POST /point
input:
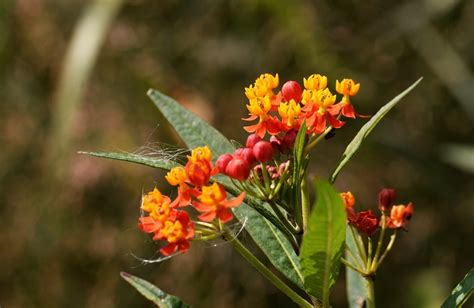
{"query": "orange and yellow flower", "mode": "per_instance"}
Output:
(200, 153)
(177, 233)
(289, 113)
(213, 203)
(347, 87)
(158, 206)
(399, 216)
(177, 176)
(199, 167)
(319, 111)
(262, 100)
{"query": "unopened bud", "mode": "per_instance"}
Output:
(238, 168)
(222, 162)
(252, 140)
(246, 154)
(291, 90)
(263, 151)
(386, 199)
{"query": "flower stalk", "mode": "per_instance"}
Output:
(266, 272)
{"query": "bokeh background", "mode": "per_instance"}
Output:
(74, 75)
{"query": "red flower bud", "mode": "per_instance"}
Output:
(263, 151)
(291, 90)
(252, 140)
(246, 154)
(238, 168)
(366, 222)
(222, 162)
(386, 199)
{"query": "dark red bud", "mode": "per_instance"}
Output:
(386, 198)
(263, 151)
(238, 168)
(252, 140)
(291, 90)
(276, 143)
(289, 140)
(222, 162)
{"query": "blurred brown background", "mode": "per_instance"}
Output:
(68, 222)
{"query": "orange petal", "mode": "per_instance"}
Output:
(251, 128)
(225, 215)
(250, 118)
(236, 201)
(207, 216)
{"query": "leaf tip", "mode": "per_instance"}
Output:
(125, 275)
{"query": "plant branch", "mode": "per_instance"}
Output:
(295, 297)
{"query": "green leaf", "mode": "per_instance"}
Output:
(152, 293)
(462, 292)
(367, 128)
(298, 152)
(136, 158)
(196, 132)
(355, 283)
(274, 244)
(192, 129)
(323, 243)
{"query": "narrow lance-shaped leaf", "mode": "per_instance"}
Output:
(323, 243)
(298, 153)
(154, 162)
(462, 292)
(367, 128)
(192, 129)
(356, 284)
(196, 132)
(152, 293)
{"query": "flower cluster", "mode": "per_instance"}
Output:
(166, 219)
(364, 260)
(286, 110)
(281, 114)
(392, 216)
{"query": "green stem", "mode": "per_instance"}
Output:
(360, 246)
(313, 143)
(266, 179)
(370, 292)
(369, 253)
(353, 267)
(283, 219)
(295, 297)
(379, 244)
(354, 258)
(305, 205)
(389, 247)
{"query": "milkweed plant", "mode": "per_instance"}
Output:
(264, 184)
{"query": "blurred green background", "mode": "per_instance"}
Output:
(68, 222)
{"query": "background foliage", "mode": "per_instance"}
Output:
(68, 222)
